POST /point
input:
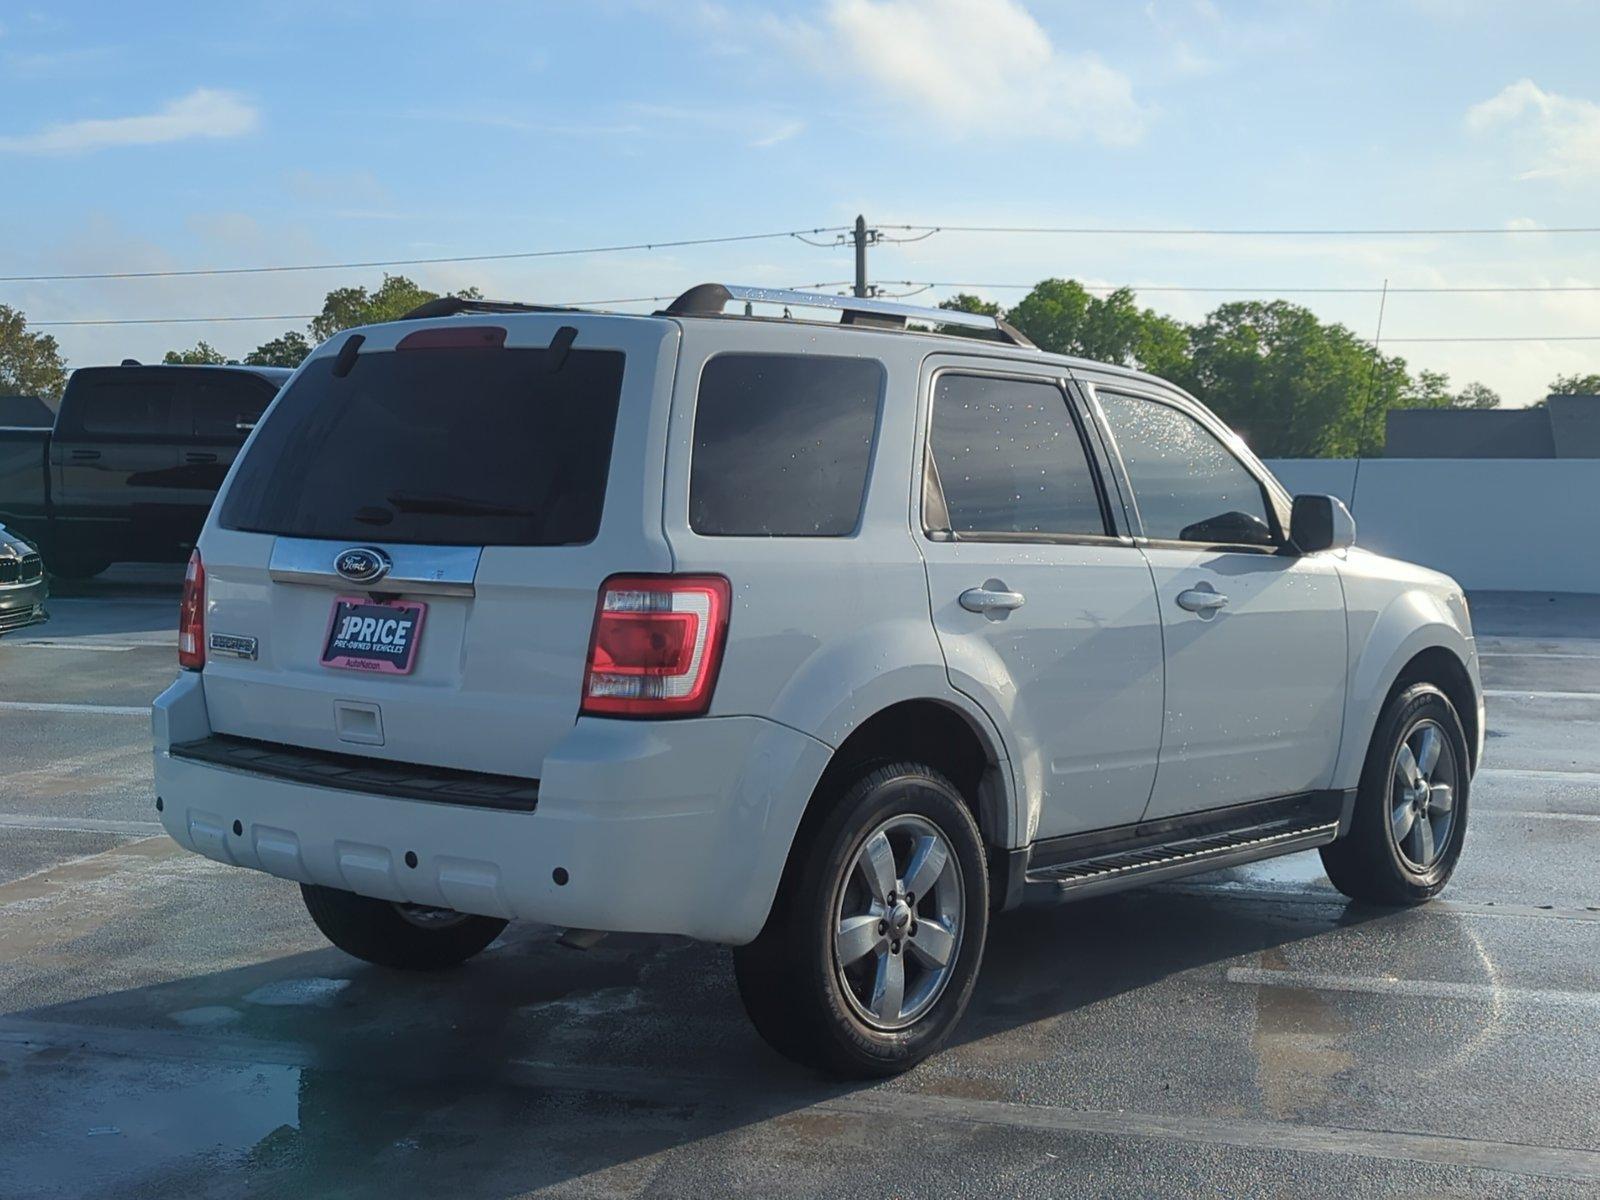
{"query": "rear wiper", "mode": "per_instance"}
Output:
(443, 504)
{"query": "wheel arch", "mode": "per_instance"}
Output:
(1407, 647)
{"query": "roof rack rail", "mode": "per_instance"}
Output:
(448, 306)
(709, 299)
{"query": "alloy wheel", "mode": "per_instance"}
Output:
(898, 922)
(1422, 797)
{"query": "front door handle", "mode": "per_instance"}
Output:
(199, 456)
(84, 455)
(1204, 602)
(992, 597)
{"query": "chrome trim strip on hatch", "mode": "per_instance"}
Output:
(414, 570)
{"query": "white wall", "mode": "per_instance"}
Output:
(1519, 524)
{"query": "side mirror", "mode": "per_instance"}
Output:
(1321, 523)
(1238, 528)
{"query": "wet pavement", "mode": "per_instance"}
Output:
(172, 1027)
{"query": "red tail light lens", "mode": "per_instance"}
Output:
(192, 616)
(656, 646)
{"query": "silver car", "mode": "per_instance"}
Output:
(827, 640)
(23, 587)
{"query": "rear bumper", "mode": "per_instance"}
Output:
(677, 827)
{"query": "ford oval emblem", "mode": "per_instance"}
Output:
(362, 564)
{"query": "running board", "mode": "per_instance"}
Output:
(1133, 868)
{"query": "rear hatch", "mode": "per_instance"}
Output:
(497, 469)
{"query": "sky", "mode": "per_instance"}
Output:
(169, 136)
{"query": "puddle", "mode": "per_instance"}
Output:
(82, 1124)
(208, 1016)
(295, 992)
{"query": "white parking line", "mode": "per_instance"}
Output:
(38, 823)
(1535, 775)
(1536, 814)
(1534, 654)
(101, 710)
(101, 647)
(1541, 695)
(1432, 989)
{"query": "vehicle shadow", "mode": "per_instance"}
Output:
(536, 1065)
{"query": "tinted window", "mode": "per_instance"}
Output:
(1188, 485)
(1010, 458)
(443, 446)
(224, 409)
(781, 444)
(142, 408)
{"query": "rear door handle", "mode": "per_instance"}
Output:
(84, 455)
(1197, 600)
(199, 456)
(991, 597)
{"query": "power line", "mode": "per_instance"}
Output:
(311, 316)
(1465, 289)
(1255, 232)
(418, 262)
(169, 320)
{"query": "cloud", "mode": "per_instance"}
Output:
(967, 67)
(782, 133)
(204, 112)
(1559, 134)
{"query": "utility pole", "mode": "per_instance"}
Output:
(863, 237)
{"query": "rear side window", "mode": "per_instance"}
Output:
(782, 444)
(456, 447)
(1010, 458)
(108, 408)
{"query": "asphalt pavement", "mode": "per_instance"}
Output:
(173, 1027)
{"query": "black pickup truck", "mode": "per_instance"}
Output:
(130, 469)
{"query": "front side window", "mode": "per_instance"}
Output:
(1189, 487)
(224, 410)
(782, 443)
(1010, 459)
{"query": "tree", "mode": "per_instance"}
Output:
(1294, 386)
(30, 363)
(1430, 389)
(1575, 385)
(1061, 316)
(967, 302)
(286, 351)
(203, 354)
(345, 308)
(1476, 395)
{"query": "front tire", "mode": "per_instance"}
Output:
(76, 568)
(869, 956)
(1410, 819)
(406, 937)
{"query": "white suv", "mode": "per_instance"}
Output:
(826, 640)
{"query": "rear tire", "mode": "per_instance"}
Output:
(847, 975)
(1410, 818)
(406, 937)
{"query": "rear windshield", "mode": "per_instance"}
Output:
(472, 447)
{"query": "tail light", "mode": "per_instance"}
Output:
(192, 616)
(656, 646)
